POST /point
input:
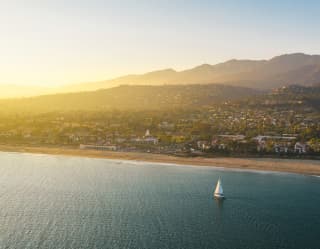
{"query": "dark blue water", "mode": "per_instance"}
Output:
(69, 202)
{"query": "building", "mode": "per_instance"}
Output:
(300, 148)
(98, 147)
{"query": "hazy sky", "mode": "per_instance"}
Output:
(57, 42)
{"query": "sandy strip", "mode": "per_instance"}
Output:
(307, 167)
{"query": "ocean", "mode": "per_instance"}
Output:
(74, 202)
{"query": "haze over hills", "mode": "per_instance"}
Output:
(165, 97)
(288, 69)
(13, 91)
(130, 97)
(298, 69)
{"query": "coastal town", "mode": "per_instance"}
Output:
(228, 129)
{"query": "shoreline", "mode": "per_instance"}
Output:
(305, 167)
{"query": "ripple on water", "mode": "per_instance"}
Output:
(68, 202)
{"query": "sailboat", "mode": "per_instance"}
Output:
(218, 193)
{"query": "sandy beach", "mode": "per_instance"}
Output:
(307, 167)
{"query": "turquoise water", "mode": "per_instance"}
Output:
(70, 202)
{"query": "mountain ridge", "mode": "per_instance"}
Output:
(263, 74)
(287, 69)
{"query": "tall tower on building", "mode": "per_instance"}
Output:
(147, 133)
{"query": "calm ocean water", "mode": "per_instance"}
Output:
(68, 202)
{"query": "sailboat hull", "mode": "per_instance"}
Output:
(218, 196)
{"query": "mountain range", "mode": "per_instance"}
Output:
(289, 69)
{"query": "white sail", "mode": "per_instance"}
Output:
(219, 190)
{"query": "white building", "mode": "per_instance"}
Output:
(300, 148)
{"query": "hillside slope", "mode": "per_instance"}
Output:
(130, 97)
